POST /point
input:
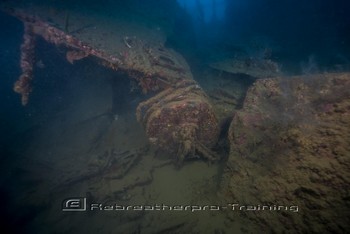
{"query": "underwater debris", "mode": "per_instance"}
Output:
(258, 68)
(178, 118)
(34, 26)
(127, 42)
(180, 121)
(291, 143)
(74, 55)
(23, 84)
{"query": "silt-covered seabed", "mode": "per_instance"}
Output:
(283, 144)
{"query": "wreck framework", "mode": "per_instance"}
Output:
(178, 118)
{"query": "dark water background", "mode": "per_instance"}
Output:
(304, 37)
(295, 30)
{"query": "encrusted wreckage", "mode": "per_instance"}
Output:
(290, 145)
(23, 84)
(253, 67)
(178, 118)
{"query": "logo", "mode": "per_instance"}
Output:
(74, 204)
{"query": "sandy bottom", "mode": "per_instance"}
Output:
(69, 144)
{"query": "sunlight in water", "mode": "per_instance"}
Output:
(204, 10)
